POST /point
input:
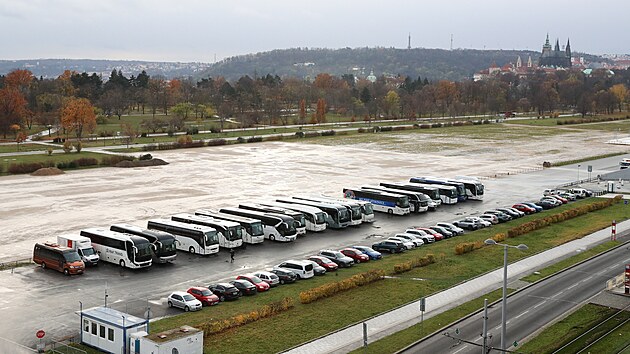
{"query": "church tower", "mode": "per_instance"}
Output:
(519, 63)
(409, 43)
(568, 49)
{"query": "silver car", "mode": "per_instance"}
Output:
(269, 278)
(184, 301)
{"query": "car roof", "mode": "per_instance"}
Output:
(197, 288)
(181, 293)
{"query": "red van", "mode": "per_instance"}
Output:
(61, 259)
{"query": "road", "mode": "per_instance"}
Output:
(40, 208)
(532, 308)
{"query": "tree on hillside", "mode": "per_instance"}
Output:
(13, 108)
(621, 93)
(392, 104)
(78, 115)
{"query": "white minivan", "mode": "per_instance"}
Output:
(303, 269)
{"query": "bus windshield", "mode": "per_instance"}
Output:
(320, 218)
(235, 233)
(286, 229)
(257, 229)
(71, 257)
(479, 188)
(368, 209)
(451, 193)
(143, 251)
(344, 215)
(356, 212)
(301, 221)
(211, 238)
(402, 202)
(169, 245)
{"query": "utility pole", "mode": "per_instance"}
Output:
(484, 334)
(451, 41)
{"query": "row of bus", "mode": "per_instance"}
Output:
(418, 195)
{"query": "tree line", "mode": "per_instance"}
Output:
(76, 102)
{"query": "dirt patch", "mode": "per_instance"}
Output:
(141, 163)
(48, 171)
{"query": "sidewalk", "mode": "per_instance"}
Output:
(351, 337)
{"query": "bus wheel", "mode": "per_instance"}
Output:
(66, 271)
(390, 211)
(122, 263)
(272, 238)
(191, 250)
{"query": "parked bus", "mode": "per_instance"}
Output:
(197, 239)
(390, 203)
(62, 259)
(252, 228)
(461, 190)
(474, 187)
(367, 209)
(337, 216)
(126, 250)
(448, 194)
(432, 191)
(164, 244)
(315, 218)
(276, 227)
(418, 202)
(230, 232)
(624, 163)
(356, 216)
(300, 220)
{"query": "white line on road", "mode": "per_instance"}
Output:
(460, 349)
(540, 304)
(556, 294)
(573, 286)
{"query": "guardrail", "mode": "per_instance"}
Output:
(15, 263)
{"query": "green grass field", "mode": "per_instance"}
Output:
(43, 157)
(316, 319)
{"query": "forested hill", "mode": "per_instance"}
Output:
(434, 64)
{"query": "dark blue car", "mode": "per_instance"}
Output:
(370, 252)
(537, 207)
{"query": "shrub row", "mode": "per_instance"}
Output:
(414, 263)
(28, 167)
(111, 160)
(466, 247)
(559, 217)
(589, 120)
(84, 161)
(330, 289)
(268, 310)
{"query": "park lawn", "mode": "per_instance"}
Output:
(621, 126)
(26, 147)
(54, 158)
(313, 320)
(540, 122)
(582, 320)
(566, 263)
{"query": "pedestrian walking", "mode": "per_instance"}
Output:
(231, 255)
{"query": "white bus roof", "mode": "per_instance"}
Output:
(184, 225)
(208, 212)
(224, 223)
(300, 207)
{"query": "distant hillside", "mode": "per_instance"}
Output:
(52, 68)
(459, 64)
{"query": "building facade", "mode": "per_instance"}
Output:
(555, 58)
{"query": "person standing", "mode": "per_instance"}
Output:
(231, 255)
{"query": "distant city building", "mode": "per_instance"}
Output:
(372, 77)
(555, 58)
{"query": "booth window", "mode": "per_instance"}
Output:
(102, 330)
(110, 334)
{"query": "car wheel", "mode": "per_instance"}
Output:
(170, 304)
(43, 265)
(298, 277)
(191, 249)
(272, 237)
(66, 271)
(186, 308)
(122, 263)
(222, 298)
(281, 281)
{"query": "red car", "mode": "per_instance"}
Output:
(355, 254)
(258, 283)
(324, 262)
(524, 208)
(438, 236)
(204, 295)
(563, 200)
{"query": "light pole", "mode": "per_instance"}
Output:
(578, 180)
(521, 247)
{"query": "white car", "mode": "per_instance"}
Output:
(269, 278)
(481, 221)
(550, 192)
(425, 237)
(454, 229)
(411, 237)
(408, 244)
(184, 301)
(489, 217)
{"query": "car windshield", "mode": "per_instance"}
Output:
(88, 251)
(188, 297)
(255, 280)
(206, 292)
(71, 257)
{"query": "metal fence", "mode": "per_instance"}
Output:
(63, 348)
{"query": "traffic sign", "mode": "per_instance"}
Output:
(40, 334)
(515, 344)
(590, 168)
(456, 330)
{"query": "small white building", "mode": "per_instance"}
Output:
(110, 330)
(183, 340)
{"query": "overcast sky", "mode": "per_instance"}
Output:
(197, 30)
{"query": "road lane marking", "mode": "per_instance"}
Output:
(556, 294)
(460, 349)
(540, 304)
(573, 286)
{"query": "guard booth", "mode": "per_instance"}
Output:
(182, 340)
(110, 330)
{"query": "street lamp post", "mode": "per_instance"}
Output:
(578, 180)
(521, 247)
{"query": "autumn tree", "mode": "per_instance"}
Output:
(392, 104)
(320, 113)
(13, 108)
(302, 114)
(129, 132)
(621, 93)
(78, 115)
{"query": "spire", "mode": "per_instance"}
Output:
(547, 41)
(409, 44)
(557, 47)
(568, 48)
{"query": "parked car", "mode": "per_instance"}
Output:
(374, 255)
(568, 196)
(389, 246)
(425, 237)
(537, 207)
(244, 286)
(547, 204)
(563, 200)
(268, 278)
(285, 276)
(317, 269)
(503, 217)
(408, 244)
(524, 208)
(358, 256)
(225, 291)
(493, 219)
(468, 224)
(436, 235)
(442, 230)
(302, 269)
(452, 228)
(324, 262)
(260, 285)
(554, 201)
(337, 257)
(184, 301)
(417, 242)
(550, 192)
(204, 295)
(515, 214)
(581, 192)
(482, 222)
